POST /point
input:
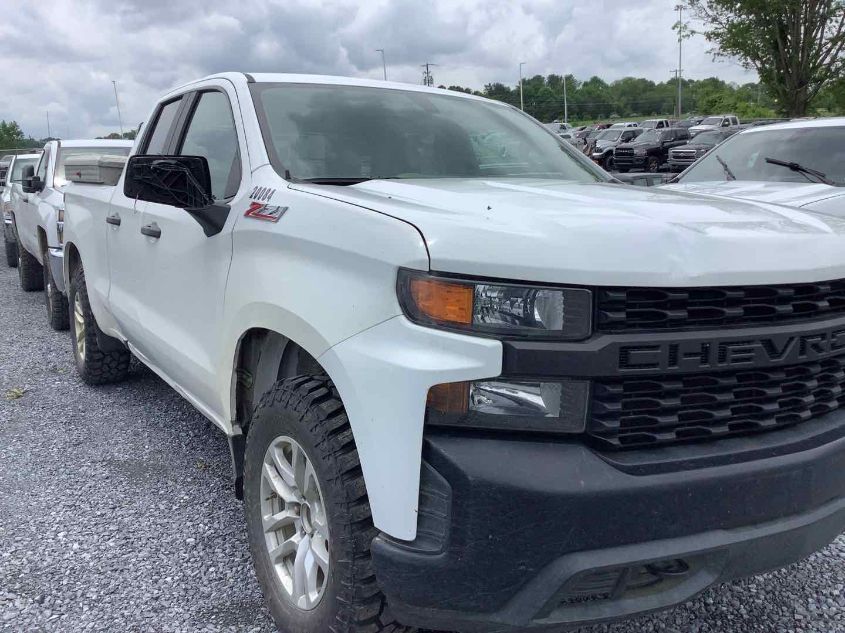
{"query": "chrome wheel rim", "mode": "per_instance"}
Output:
(79, 326)
(296, 530)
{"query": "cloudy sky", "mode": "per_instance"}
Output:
(61, 55)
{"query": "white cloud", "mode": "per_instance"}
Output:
(149, 46)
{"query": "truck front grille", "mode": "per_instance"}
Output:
(661, 410)
(651, 309)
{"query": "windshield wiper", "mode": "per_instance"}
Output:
(804, 171)
(729, 175)
(342, 182)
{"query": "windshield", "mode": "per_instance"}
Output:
(17, 168)
(648, 124)
(712, 120)
(649, 136)
(354, 133)
(822, 149)
(610, 135)
(710, 138)
(59, 178)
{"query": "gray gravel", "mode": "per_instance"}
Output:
(116, 513)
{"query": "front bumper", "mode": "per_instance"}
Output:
(56, 259)
(629, 161)
(522, 533)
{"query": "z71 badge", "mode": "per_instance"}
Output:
(266, 212)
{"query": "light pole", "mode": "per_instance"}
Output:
(383, 62)
(521, 100)
(680, 9)
(565, 102)
(117, 103)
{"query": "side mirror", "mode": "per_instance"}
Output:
(30, 183)
(177, 181)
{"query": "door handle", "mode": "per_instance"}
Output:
(113, 219)
(151, 230)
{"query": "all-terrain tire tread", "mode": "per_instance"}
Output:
(316, 403)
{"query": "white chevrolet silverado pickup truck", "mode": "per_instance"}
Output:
(11, 199)
(38, 219)
(469, 382)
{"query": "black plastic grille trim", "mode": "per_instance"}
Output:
(655, 309)
(661, 410)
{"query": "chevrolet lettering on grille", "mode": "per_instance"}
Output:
(759, 352)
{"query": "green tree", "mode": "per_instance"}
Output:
(10, 135)
(796, 46)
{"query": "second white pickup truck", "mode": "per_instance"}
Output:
(38, 220)
(469, 382)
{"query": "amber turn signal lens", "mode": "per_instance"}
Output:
(451, 397)
(442, 300)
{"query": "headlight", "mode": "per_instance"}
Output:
(496, 308)
(640, 151)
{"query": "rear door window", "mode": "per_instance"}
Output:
(160, 131)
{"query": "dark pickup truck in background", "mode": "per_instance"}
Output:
(683, 156)
(650, 150)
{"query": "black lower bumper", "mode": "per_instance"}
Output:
(516, 533)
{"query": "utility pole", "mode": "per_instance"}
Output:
(117, 103)
(383, 62)
(49, 134)
(521, 100)
(428, 78)
(681, 33)
(565, 102)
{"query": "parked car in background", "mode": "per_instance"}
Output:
(650, 150)
(472, 383)
(690, 122)
(714, 123)
(39, 220)
(10, 199)
(607, 140)
(658, 124)
(683, 156)
(623, 124)
(5, 162)
(798, 164)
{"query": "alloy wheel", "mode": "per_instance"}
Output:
(79, 326)
(296, 530)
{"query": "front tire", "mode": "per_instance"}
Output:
(57, 304)
(653, 165)
(11, 245)
(607, 163)
(95, 366)
(29, 271)
(307, 513)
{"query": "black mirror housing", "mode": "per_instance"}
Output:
(177, 181)
(30, 183)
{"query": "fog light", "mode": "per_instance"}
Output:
(551, 407)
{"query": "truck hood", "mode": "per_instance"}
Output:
(603, 233)
(697, 129)
(793, 194)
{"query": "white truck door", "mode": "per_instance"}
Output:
(126, 244)
(26, 215)
(181, 289)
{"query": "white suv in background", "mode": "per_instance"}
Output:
(12, 196)
(39, 219)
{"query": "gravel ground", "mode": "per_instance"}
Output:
(116, 513)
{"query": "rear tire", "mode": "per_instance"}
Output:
(95, 366)
(305, 415)
(57, 305)
(11, 247)
(29, 271)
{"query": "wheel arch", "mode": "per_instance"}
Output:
(262, 357)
